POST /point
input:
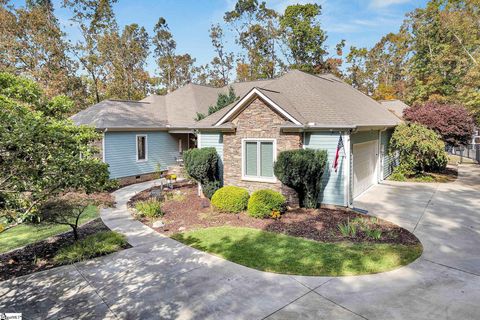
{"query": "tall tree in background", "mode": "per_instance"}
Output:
(305, 39)
(223, 63)
(257, 32)
(95, 20)
(445, 49)
(381, 71)
(357, 73)
(32, 44)
(126, 56)
(174, 70)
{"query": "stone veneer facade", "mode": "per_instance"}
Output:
(257, 120)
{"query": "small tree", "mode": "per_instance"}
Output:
(68, 209)
(202, 166)
(453, 122)
(223, 100)
(42, 154)
(302, 170)
(420, 149)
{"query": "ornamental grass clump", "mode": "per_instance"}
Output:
(230, 199)
(151, 208)
(266, 203)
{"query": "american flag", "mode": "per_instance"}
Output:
(337, 154)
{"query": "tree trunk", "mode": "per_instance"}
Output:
(75, 232)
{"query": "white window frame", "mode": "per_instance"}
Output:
(146, 147)
(244, 160)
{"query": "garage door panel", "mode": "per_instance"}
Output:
(364, 163)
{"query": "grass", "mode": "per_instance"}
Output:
(429, 177)
(24, 234)
(454, 160)
(280, 253)
(95, 245)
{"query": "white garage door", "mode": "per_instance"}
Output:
(364, 163)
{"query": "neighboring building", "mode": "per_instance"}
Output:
(395, 106)
(476, 137)
(296, 110)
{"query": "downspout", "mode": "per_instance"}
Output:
(348, 162)
(103, 145)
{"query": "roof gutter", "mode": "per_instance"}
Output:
(351, 128)
(309, 128)
(215, 129)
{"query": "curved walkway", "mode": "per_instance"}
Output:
(161, 278)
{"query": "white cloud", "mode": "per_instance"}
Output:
(386, 3)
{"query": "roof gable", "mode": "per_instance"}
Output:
(245, 101)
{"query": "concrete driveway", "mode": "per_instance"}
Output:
(161, 278)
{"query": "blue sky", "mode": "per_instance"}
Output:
(359, 22)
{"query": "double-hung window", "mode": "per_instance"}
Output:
(258, 157)
(142, 152)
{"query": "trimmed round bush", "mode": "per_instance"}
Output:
(230, 199)
(263, 202)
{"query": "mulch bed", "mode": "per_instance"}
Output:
(39, 256)
(316, 224)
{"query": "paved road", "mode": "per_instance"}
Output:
(161, 278)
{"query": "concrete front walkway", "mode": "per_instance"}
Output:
(161, 278)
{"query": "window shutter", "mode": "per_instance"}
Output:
(266, 159)
(251, 158)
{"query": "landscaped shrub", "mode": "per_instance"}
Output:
(210, 187)
(302, 170)
(263, 202)
(452, 122)
(420, 149)
(151, 208)
(94, 245)
(230, 199)
(202, 166)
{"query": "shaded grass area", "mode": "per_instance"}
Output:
(24, 234)
(450, 174)
(95, 245)
(454, 160)
(273, 252)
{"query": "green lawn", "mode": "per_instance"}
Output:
(24, 234)
(279, 253)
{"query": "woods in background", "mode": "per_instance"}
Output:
(433, 57)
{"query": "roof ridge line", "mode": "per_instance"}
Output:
(131, 101)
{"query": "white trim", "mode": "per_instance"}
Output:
(246, 98)
(180, 147)
(347, 164)
(199, 145)
(258, 178)
(103, 146)
(146, 147)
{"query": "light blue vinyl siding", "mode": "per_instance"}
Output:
(120, 153)
(388, 161)
(215, 140)
(332, 182)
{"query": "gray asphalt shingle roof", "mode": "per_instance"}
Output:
(310, 99)
(395, 106)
